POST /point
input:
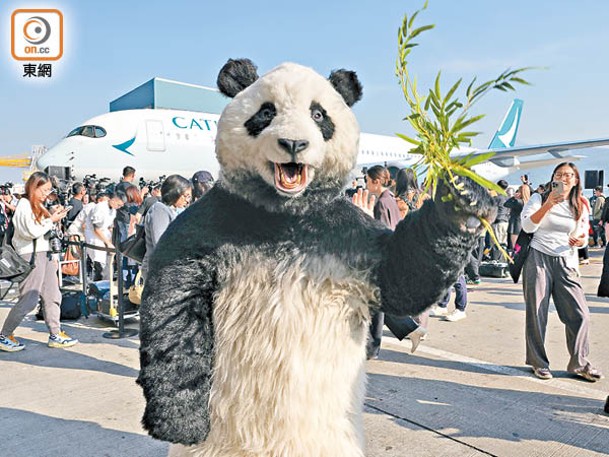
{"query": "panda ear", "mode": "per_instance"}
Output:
(346, 83)
(236, 75)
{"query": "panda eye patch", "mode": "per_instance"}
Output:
(324, 122)
(261, 120)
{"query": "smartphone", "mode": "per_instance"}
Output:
(558, 187)
(69, 207)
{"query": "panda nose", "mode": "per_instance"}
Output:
(293, 147)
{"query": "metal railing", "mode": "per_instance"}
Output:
(112, 254)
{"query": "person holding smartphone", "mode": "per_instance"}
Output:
(558, 219)
(33, 223)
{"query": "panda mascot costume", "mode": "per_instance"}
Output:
(257, 303)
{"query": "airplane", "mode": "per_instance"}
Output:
(159, 142)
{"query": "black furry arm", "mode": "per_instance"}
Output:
(429, 249)
(176, 353)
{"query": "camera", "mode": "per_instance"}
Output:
(55, 238)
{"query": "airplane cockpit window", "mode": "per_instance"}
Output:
(75, 132)
(99, 132)
(91, 131)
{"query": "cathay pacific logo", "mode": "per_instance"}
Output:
(124, 146)
(507, 137)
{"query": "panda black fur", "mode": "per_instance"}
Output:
(257, 302)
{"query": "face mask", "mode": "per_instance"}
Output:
(180, 210)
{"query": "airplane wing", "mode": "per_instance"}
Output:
(530, 164)
(508, 157)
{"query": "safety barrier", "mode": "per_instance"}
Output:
(112, 253)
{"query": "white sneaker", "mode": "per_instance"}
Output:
(10, 344)
(437, 311)
(61, 340)
(456, 315)
(416, 336)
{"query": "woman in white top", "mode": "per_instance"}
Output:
(32, 224)
(98, 232)
(559, 221)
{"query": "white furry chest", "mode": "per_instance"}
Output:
(289, 353)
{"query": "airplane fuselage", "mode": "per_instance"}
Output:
(160, 142)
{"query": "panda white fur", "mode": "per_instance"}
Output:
(257, 304)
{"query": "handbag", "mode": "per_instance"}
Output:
(134, 247)
(13, 267)
(136, 289)
(521, 251)
(71, 261)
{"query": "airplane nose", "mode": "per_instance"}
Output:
(43, 161)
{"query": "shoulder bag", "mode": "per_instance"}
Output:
(71, 260)
(134, 247)
(136, 289)
(13, 267)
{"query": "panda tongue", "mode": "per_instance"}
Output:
(290, 177)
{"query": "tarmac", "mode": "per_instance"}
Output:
(465, 392)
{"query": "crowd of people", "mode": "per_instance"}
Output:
(560, 220)
(101, 216)
(557, 214)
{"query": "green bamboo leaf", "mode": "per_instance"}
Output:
(435, 110)
(427, 102)
(481, 89)
(433, 99)
(454, 105)
(462, 171)
(468, 134)
(469, 88)
(420, 30)
(462, 122)
(437, 86)
(473, 159)
(408, 139)
(470, 121)
(520, 81)
(452, 90)
(411, 21)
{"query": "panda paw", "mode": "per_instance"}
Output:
(466, 203)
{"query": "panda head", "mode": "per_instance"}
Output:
(288, 139)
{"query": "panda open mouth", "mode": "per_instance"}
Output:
(290, 177)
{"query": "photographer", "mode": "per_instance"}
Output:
(78, 192)
(33, 225)
(6, 209)
(151, 199)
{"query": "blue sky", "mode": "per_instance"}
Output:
(113, 46)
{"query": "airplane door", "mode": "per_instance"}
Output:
(156, 135)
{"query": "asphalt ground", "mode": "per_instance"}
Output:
(465, 392)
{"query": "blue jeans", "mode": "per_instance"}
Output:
(460, 295)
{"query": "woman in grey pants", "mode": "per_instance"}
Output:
(32, 223)
(559, 221)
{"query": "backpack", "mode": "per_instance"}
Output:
(72, 303)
